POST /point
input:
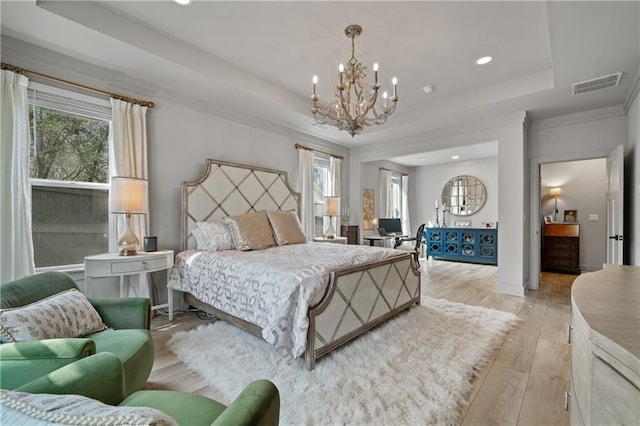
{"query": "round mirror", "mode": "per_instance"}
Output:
(464, 195)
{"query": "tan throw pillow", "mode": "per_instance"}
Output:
(20, 408)
(287, 228)
(66, 314)
(250, 231)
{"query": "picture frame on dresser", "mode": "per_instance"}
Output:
(548, 219)
(570, 215)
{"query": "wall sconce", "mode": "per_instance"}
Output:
(331, 209)
(128, 196)
(555, 194)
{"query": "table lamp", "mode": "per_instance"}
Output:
(555, 194)
(331, 209)
(128, 196)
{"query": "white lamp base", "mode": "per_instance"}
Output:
(128, 242)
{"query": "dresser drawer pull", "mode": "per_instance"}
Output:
(567, 399)
(569, 330)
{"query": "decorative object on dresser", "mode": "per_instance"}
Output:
(561, 248)
(352, 232)
(605, 353)
(474, 245)
(433, 352)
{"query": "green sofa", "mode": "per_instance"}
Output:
(257, 404)
(130, 339)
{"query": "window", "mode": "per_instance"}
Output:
(69, 175)
(395, 196)
(320, 183)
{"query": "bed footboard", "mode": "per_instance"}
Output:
(358, 299)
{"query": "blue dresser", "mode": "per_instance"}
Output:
(476, 245)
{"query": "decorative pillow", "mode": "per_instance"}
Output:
(20, 408)
(66, 314)
(250, 231)
(287, 228)
(212, 236)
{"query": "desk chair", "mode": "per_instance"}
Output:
(415, 248)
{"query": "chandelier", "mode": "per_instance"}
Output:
(353, 102)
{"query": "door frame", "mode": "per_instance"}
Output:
(535, 242)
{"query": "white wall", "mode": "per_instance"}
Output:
(584, 186)
(428, 181)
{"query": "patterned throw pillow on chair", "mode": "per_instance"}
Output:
(66, 314)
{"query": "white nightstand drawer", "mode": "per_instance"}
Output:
(152, 264)
(127, 267)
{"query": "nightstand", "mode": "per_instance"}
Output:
(336, 240)
(114, 265)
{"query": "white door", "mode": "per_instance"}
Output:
(615, 206)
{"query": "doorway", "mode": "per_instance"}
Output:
(578, 198)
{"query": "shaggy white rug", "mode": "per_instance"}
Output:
(415, 369)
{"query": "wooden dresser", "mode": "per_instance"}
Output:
(351, 232)
(605, 353)
(561, 248)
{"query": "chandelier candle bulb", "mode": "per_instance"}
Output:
(375, 72)
(394, 81)
(341, 71)
(315, 81)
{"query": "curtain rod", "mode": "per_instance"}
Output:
(389, 170)
(298, 146)
(18, 70)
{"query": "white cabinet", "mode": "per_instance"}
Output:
(605, 353)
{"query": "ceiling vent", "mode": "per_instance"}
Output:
(611, 80)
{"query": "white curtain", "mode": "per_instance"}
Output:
(385, 193)
(305, 173)
(129, 147)
(16, 243)
(334, 177)
(404, 214)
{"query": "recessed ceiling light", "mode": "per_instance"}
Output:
(455, 157)
(183, 2)
(428, 88)
(484, 60)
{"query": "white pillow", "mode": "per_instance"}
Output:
(212, 236)
(65, 314)
(20, 408)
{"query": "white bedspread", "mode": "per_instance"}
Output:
(272, 288)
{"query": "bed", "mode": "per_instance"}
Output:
(330, 294)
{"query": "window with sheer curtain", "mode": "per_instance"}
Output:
(69, 175)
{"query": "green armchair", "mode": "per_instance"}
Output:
(257, 404)
(129, 339)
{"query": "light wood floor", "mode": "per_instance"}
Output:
(523, 384)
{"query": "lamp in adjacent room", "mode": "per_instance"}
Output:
(128, 196)
(555, 194)
(331, 209)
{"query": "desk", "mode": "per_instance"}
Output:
(114, 265)
(373, 238)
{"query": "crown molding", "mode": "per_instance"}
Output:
(633, 94)
(577, 118)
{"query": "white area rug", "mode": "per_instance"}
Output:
(415, 369)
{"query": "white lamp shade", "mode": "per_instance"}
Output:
(129, 195)
(555, 191)
(332, 206)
